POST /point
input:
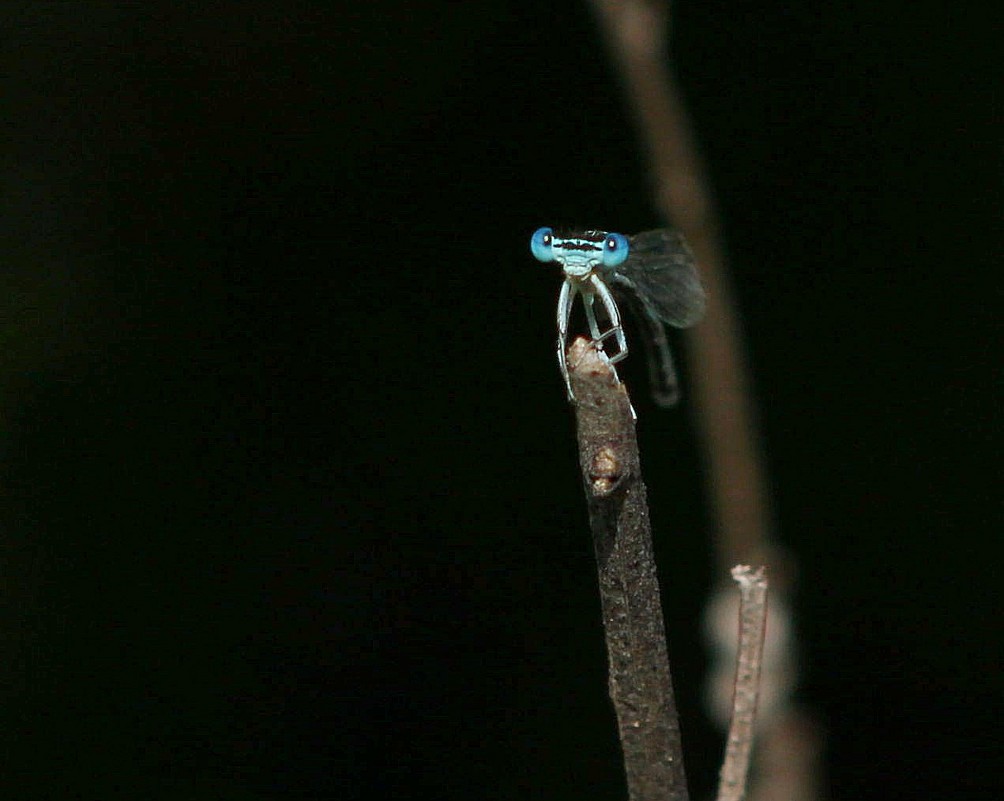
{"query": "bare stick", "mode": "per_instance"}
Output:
(640, 684)
(752, 625)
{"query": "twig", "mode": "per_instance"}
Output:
(636, 34)
(635, 31)
(752, 625)
(640, 683)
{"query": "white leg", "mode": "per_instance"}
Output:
(594, 331)
(565, 299)
(615, 320)
(594, 327)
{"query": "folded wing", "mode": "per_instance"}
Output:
(661, 272)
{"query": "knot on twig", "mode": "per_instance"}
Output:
(606, 471)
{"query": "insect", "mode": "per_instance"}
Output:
(654, 272)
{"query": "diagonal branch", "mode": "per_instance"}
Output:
(636, 34)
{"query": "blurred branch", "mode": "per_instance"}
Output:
(752, 625)
(640, 684)
(636, 32)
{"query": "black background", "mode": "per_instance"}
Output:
(290, 496)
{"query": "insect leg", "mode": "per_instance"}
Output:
(565, 299)
(615, 320)
(594, 327)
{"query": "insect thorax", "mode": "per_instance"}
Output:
(579, 252)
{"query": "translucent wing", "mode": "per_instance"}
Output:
(661, 272)
(661, 370)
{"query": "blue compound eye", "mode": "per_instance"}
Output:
(615, 250)
(541, 244)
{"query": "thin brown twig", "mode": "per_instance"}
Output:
(636, 32)
(752, 626)
(640, 684)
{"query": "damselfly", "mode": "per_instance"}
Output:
(654, 272)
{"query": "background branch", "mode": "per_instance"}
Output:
(636, 33)
(752, 625)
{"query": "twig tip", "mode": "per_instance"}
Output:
(747, 577)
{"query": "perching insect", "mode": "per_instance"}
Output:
(654, 271)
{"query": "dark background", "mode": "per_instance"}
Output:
(290, 498)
